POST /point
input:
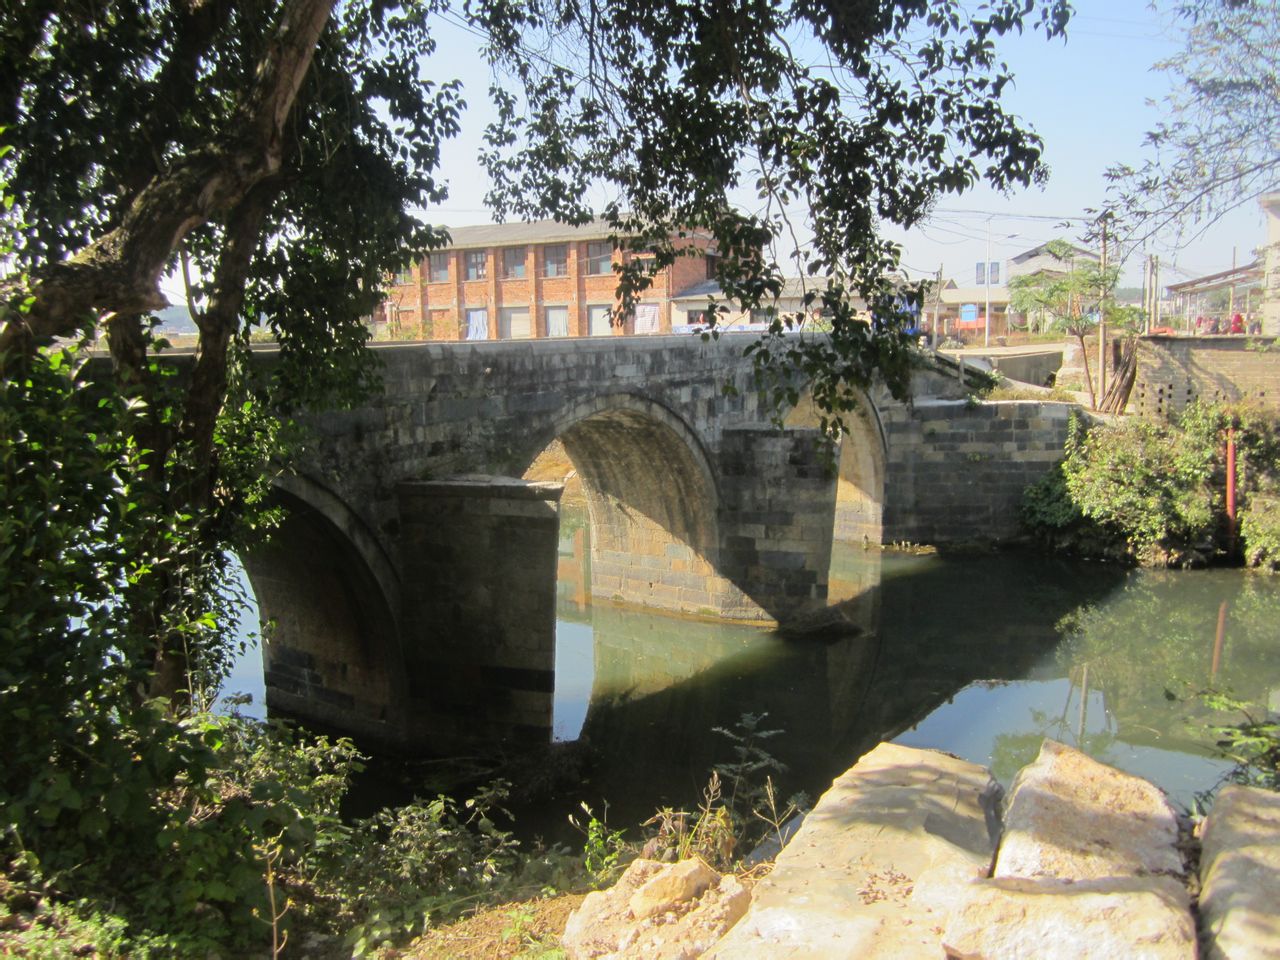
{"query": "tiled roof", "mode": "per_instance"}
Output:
(539, 231)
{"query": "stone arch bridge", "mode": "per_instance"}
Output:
(412, 585)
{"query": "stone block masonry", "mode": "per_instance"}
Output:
(480, 558)
(399, 601)
(956, 470)
(779, 495)
(1174, 371)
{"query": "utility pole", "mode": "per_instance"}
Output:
(986, 275)
(1146, 295)
(937, 307)
(1155, 288)
(1231, 309)
(1102, 316)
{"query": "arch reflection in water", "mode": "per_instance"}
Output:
(981, 656)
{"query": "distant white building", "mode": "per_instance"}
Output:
(1271, 266)
(689, 309)
(1040, 260)
(963, 308)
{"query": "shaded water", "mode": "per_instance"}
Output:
(981, 656)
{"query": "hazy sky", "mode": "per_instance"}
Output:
(1087, 97)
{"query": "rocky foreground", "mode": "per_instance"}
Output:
(914, 853)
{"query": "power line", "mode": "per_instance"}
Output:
(992, 214)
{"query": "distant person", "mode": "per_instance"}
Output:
(1237, 324)
(1213, 326)
(1202, 325)
(1255, 325)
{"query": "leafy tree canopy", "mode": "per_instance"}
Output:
(1219, 145)
(287, 148)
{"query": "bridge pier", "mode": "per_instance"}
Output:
(778, 496)
(479, 559)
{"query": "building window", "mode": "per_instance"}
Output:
(555, 260)
(513, 263)
(698, 318)
(765, 315)
(599, 258)
(477, 264)
(712, 262)
(513, 323)
(477, 324)
(404, 276)
(598, 324)
(439, 268)
(557, 321)
(646, 318)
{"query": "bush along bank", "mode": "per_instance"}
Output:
(1156, 494)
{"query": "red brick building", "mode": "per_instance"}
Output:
(532, 280)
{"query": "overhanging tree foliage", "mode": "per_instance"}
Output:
(280, 154)
(286, 149)
(1219, 146)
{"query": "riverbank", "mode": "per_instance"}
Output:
(913, 854)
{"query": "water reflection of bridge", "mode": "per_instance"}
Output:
(661, 684)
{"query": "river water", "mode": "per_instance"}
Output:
(979, 655)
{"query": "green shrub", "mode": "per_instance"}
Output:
(1150, 484)
(1251, 743)
(1156, 492)
(1260, 532)
(1057, 521)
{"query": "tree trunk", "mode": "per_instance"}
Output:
(1088, 376)
(118, 274)
(121, 270)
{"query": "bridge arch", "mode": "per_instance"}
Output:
(652, 498)
(861, 468)
(331, 654)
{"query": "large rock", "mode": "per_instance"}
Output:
(656, 911)
(670, 888)
(1134, 918)
(1073, 818)
(877, 866)
(1240, 875)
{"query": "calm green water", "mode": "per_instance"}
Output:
(981, 656)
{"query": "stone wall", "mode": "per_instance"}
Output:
(1173, 371)
(480, 563)
(779, 495)
(956, 470)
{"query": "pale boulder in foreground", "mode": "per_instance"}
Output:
(656, 911)
(1240, 875)
(1073, 818)
(877, 865)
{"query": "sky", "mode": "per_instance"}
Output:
(1088, 97)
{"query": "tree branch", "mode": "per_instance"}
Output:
(121, 270)
(218, 323)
